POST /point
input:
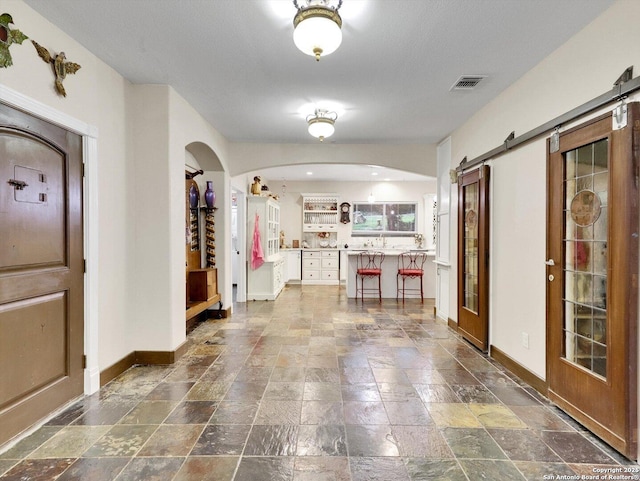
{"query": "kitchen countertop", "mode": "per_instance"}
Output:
(388, 279)
(387, 250)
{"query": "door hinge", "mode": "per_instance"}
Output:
(84, 361)
(619, 116)
(554, 141)
(84, 266)
(83, 169)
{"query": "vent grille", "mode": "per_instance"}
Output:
(467, 82)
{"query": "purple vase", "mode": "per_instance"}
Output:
(210, 195)
(193, 197)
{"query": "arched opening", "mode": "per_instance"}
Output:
(206, 206)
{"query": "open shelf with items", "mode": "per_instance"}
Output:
(210, 235)
(320, 212)
(195, 230)
(320, 240)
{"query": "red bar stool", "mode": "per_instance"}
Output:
(410, 266)
(369, 266)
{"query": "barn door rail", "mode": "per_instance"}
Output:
(622, 88)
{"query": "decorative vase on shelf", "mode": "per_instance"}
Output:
(193, 197)
(210, 195)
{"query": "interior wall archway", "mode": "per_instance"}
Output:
(199, 156)
(205, 156)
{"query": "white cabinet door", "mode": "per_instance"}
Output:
(293, 265)
(344, 265)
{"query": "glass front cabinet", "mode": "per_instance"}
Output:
(265, 282)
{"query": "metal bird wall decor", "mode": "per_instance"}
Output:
(59, 64)
(8, 36)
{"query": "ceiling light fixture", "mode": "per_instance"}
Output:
(371, 199)
(321, 124)
(317, 27)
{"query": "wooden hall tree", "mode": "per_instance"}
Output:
(201, 291)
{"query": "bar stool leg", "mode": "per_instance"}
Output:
(421, 291)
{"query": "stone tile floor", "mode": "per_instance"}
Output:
(314, 387)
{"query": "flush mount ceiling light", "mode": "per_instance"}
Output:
(321, 124)
(317, 27)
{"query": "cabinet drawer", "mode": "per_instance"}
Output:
(311, 264)
(329, 263)
(330, 275)
(330, 254)
(203, 284)
(319, 227)
(310, 275)
(307, 254)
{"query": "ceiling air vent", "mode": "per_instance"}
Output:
(467, 82)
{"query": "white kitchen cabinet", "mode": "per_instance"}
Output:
(344, 263)
(320, 266)
(265, 282)
(320, 213)
(293, 265)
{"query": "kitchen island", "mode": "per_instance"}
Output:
(389, 271)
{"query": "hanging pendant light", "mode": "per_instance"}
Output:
(317, 27)
(371, 199)
(321, 124)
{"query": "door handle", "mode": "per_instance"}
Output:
(550, 262)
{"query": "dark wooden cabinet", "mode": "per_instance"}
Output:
(203, 284)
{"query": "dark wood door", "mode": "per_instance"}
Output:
(592, 267)
(41, 270)
(473, 257)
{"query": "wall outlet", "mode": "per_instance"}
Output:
(525, 340)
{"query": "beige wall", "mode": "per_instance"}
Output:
(585, 67)
(420, 159)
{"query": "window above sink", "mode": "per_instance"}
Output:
(384, 218)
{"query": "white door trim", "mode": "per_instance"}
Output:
(89, 135)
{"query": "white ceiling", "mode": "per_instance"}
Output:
(235, 61)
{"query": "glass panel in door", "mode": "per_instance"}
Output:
(586, 186)
(471, 202)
